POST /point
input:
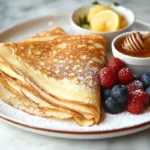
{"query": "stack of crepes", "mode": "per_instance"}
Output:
(53, 74)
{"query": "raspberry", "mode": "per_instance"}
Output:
(108, 77)
(136, 102)
(125, 76)
(142, 96)
(134, 106)
(115, 64)
(135, 85)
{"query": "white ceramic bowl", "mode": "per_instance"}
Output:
(82, 11)
(138, 65)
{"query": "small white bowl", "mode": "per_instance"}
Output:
(82, 11)
(138, 65)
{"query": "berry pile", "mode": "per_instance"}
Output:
(123, 90)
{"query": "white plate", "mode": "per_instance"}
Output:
(113, 125)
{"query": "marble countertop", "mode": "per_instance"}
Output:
(11, 138)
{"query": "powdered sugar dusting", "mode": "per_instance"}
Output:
(135, 85)
(111, 122)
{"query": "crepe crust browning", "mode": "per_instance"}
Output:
(65, 57)
(59, 72)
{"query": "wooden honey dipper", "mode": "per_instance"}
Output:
(134, 43)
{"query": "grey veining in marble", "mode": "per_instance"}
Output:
(11, 138)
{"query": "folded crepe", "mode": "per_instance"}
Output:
(31, 104)
(61, 71)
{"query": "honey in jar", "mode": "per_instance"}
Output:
(145, 53)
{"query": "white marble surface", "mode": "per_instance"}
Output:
(11, 138)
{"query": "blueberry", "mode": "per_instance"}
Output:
(112, 106)
(145, 78)
(106, 93)
(148, 90)
(120, 93)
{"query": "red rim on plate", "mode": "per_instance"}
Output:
(77, 133)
